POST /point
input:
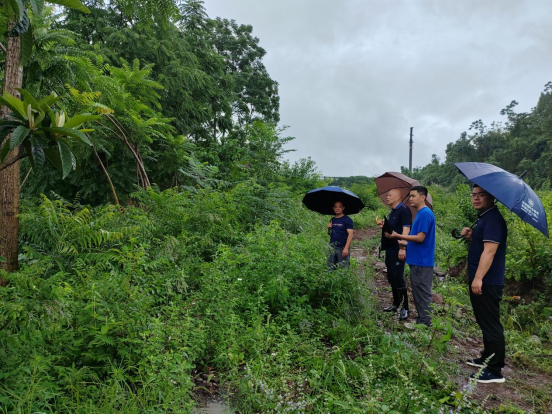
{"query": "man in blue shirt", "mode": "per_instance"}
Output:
(400, 220)
(420, 253)
(340, 229)
(486, 270)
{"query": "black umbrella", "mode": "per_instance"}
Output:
(323, 199)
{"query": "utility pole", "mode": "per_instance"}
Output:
(410, 152)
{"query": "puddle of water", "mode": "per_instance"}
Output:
(214, 407)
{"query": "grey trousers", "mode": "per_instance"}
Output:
(422, 280)
(336, 259)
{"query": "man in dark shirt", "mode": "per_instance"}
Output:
(486, 269)
(400, 220)
(340, 229)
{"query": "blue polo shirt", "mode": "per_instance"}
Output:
(400, 217)
(339, 230)
(491, 227)
(422, 254)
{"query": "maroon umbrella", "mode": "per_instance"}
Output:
(397, 181)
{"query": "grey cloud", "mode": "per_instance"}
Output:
(355, 75)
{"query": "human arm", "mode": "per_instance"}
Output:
(330, 225)
(402, 249)
(485, 262)
(348, 244)
(418, 238)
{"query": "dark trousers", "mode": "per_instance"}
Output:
(336, 259)
(486, 308)
(395, 277)
(395, 270)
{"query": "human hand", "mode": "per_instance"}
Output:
(330, 225)
(476, 286)
(379, 222)
(403, 243)
(466, 233)
(345, 252)
(393, 235)
(402, 255)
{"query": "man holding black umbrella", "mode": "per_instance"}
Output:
(486, 269)
(340, 229)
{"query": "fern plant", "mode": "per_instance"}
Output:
(60, 232)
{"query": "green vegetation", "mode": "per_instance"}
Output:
(171, 254)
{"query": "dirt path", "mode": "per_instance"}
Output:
(528, 390)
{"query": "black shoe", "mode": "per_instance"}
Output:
(403, 314)
(487, 377)
(391, 308)
(476, 362)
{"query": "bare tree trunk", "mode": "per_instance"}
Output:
(108, 179)
(141, 174)
(9, 177)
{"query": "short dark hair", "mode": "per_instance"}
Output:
(420, 189)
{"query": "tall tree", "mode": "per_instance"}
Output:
(17, 50)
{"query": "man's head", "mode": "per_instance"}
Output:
(338, 208)
(481, 200)
(393, 198)
(418, 196)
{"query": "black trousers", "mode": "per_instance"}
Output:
(486, 308)
(395, 270)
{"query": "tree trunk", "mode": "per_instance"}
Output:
(9, 177)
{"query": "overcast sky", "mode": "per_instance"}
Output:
(355, 75)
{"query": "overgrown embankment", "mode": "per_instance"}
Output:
(142, 309)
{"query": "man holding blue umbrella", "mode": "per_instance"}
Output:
(486, 270)
(487, 253)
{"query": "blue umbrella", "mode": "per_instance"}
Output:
(322, 200)
(510, 190)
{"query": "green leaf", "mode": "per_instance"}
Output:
(52, 154)
(18, 9)
(16, 105)
(22, 26)
(28, 98)
(26, 47)
(18, 136)
(78, 120)
(37, 6)
(37, 152)
(4, 152)
(2, 259)
(69, 132)
(4, 132)
(73, 4)
(67, 158)
(48, 101)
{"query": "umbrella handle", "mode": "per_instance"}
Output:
(454, 233)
